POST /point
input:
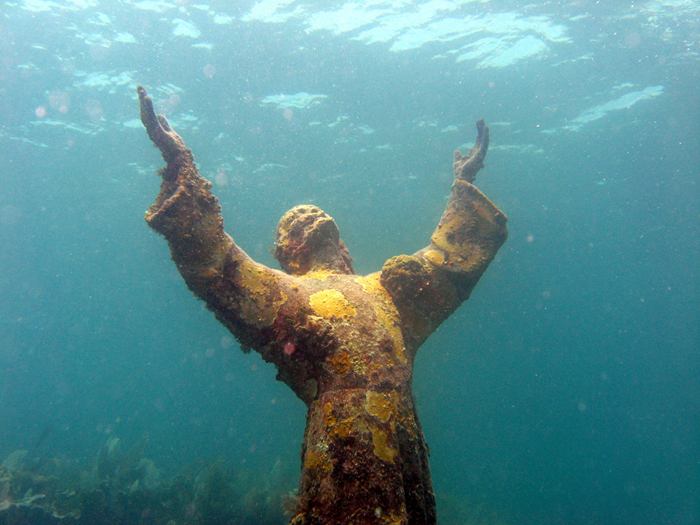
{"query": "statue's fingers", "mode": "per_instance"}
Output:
(482, 138)
(148, 114)
(480, 125)
(149, 118)
(157, 126)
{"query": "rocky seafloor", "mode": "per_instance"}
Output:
(123, 487)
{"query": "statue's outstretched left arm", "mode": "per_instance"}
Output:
(430, 284)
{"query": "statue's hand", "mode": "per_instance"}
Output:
(466, 167)
(159, 131)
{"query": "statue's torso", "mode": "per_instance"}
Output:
(362, 441)
(353, 327)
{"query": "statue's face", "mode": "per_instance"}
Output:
(308, 239)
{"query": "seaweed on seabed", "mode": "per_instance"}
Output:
(264, 501)
(222, 494)
(215, 498)
(31, 493)
(458, 510)
(124, 488)
(130, 469)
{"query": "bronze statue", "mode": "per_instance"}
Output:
(344, 343)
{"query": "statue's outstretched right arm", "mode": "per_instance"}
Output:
(185, 212)
(430, 284)
(243, 294)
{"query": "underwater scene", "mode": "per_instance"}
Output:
(562, 389)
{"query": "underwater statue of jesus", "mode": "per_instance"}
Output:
(344, 343)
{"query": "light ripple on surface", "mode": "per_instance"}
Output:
(185, 28)
(104, 80)
(408, 26)
(157, 6)
(38, 6)
(301, 100)
(269, 11)
(626, 101)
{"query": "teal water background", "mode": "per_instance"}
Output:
(565, 391)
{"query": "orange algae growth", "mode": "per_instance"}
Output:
(434, 256)
(316, 459)
(381, 447)
(340, 362)
(380, 405)
(384, 311)
(257, 307)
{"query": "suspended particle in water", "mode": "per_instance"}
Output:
(170, 103)
(40, 111)
(209, 70)
(94, 110)
(632, 40)
(60, 101)
(221, 178)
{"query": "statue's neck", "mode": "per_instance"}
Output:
(329, 259)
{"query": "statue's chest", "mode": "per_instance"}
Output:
(355, 328)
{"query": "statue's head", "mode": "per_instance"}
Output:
(308, 239)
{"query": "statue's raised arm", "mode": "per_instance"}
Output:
(431, 284)
(245, 296)
(185, 212)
